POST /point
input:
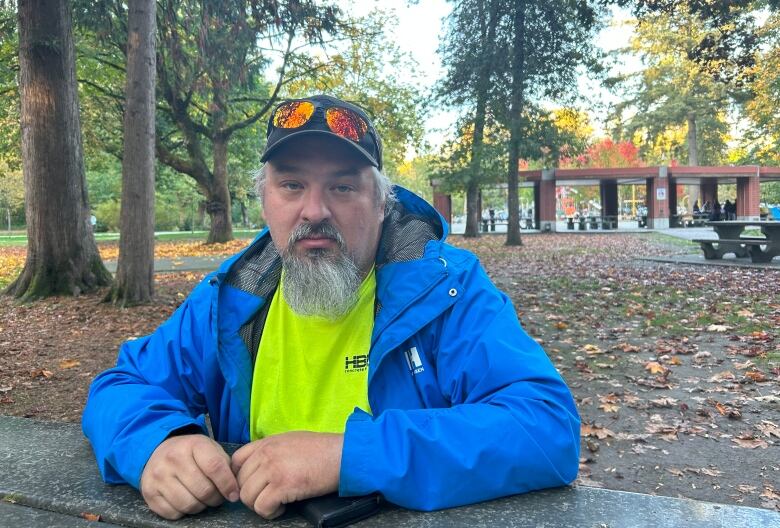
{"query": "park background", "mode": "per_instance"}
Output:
(675, 369)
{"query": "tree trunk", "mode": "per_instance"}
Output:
(62, 257)
(487, 36)
(472, 208)
(134, 282)
(515, 123)
(218, 205)
(693, 159)
(244, 218)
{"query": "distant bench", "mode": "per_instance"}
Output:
(716, 248)
(759, 249)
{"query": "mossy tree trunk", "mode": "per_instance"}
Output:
(62, 257)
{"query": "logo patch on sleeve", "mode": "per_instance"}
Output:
(413, 360)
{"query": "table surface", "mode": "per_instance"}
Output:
(48, 473)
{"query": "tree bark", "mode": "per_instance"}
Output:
(487, 35)
(693, 158)
(516, 106)
(472, 208)
(134, 282)
(62, 257)
(218, 205)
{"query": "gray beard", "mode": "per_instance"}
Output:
(320, 284)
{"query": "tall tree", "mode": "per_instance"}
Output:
(674, 92)
(211, 63)
(134, 281)
(727, 47)
(62, 256)
(548, 44)
(469, 50)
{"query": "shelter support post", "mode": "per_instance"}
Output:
(546, 201)
(442, 202)
(658, 200)
(748, 198)
(609, 201)
(537, 201)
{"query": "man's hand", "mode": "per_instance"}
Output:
(285, 468)
(185, 474)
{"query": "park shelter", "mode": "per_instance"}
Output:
(660, 183)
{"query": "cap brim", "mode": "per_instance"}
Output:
(269, 152)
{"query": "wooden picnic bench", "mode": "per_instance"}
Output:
(730, 240)
(50, 479)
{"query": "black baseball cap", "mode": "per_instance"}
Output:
(323, 114)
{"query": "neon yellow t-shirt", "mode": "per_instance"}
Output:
(310, 373)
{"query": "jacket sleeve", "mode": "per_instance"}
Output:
(512, 426)
(154, 389)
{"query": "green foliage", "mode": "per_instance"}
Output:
(107, 214)
(671, 94)
(761, 144)
(726, 50)
(362, 69)
(453, 164)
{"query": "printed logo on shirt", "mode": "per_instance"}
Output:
(413, 360)
(356, 363)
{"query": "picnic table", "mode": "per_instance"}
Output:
(49, 478)
(731, 240)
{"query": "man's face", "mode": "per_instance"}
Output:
(318, 180)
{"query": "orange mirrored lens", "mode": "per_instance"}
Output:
(293, 114)
(346, 123)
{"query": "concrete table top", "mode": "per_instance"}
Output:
(49, 466)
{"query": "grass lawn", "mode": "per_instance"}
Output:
(19, 238)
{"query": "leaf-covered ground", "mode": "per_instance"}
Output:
(12, 257)
(675, 369)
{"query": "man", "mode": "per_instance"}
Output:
(348, 347)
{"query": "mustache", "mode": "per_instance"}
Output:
(322, 229)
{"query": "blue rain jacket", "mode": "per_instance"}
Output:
(466, 406)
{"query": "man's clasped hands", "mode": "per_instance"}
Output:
(188, 473)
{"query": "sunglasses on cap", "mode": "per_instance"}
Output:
(325, 114)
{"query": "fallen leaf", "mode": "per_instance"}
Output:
(718, 328)
(41, 373)
(654, 367)
(676, 472)
(627, 348)
(663, 402)
(591, 349)
(69, 363)
(90, 516)
(722, 376)
(711, 472)
(750, 443)
(675, 361)
(756, 375)
(609, 407)
(560, 325)
(594, 430)
(768, 428)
